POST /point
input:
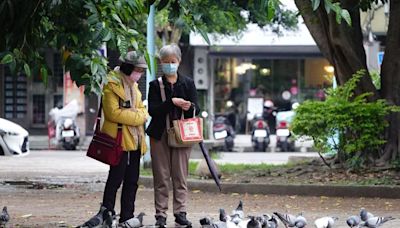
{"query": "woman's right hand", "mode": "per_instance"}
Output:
(181, 103)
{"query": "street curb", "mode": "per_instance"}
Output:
(301, 190)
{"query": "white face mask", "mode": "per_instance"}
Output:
(169, 68)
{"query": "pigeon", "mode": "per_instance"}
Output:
(263, 220)
(253, 223)
(365, 215)
(220, 224)
(353, 221)
(287, 219)
(205, 221)
(325, 222)
(239, 210)
(223, 217)
(376, 221)
(238, 214)
(130, 223)
(137, 221)
(111, 220)
(272, 223)
(4, 217)
(300, 221)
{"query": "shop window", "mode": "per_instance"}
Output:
(15, 95)
(58, 71)
(38, 109)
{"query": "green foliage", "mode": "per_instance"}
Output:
(335, 7)
(396, 164)
(78, 28)
(75, 28)
(225, 17)
(240, 168)
(358, 124)
(376, 79)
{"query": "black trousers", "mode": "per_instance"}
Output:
(126, 171)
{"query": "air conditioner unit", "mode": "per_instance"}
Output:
(200, 72)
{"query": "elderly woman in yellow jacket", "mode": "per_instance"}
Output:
(122, 104)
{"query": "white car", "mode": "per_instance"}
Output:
(13, 139)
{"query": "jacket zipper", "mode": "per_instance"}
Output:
(129, 157)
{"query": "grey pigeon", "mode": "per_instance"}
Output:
(4, 217)
(220, 224)
(262, 220)
(238, 214)
(225, 220)
(353, 221)
(325, 222)
(111, 220)
(376, 221)
(272, 223)
(287, 219)
(133, 222)
(205, 221)
(253, 223)
(222, 215)
(96, 220)
(365, 215)
(300, 221)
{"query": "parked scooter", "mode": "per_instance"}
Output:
(67, 130)
(223, 130)
(284, 140)
(260, 134)
(69, 134)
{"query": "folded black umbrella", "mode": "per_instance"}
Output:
(211, 166)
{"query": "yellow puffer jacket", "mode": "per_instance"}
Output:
(113, 114)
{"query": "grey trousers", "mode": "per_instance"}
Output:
(169, 163)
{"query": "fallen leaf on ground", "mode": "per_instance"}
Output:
(26, 216)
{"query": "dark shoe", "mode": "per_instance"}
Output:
(161, 221)
(180, 219)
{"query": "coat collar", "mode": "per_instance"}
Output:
(179, 80)
(115, 83)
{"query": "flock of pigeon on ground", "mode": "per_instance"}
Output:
(238, 220)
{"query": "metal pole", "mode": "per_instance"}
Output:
(211, 97)
(150, 74)
(335, 139)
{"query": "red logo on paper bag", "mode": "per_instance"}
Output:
(191, 129)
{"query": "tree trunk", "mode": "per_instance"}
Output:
(341, 44)
(390, 80)
(172, 35)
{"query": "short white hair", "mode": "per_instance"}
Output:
(171, 49)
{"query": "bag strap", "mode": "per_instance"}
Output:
(163, 98)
